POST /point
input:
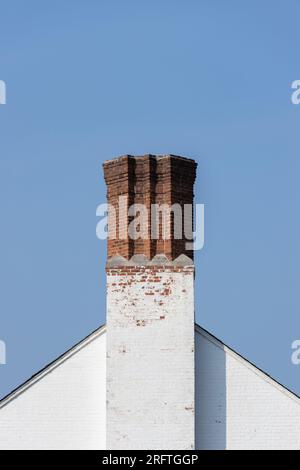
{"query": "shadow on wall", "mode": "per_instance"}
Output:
(210, 400)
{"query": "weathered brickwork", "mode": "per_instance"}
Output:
(150, 310)
(148, 180)
(150, 357)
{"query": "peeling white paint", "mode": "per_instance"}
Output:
(150, 362)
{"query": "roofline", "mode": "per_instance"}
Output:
(247, 363)
(102, 329)
(51, 366)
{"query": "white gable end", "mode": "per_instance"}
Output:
(238, 406)
(62, 408)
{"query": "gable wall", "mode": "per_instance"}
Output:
(64, 410)
(237, 406)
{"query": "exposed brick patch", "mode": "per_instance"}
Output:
(147, 272)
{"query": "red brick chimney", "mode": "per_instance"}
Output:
(149, 180)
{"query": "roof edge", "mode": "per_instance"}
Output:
(247, 363)
(51, 366)
(102, 329)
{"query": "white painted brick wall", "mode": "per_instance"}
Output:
(150, 360)
(239, 407)
(65, 409)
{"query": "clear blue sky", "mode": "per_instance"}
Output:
(89, 80)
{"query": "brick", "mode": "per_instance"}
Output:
(148, 180)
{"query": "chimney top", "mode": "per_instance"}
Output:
(147, 155)
(150, 203)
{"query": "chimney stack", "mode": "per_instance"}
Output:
(150, 303)
(150, 180)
